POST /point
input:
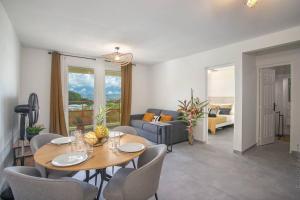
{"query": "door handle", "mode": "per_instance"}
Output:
(274, 106)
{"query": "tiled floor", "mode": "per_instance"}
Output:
(212, 171)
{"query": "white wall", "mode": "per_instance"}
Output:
(291, 57)
(249, 102)
(173, 80)
(9, 89)
(221, 82)
(36, 75)
(141, 84)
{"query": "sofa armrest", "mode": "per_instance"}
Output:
(177, 122)
(136, 117)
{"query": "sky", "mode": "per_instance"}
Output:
(84, 85)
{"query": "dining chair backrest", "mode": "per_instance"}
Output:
(42, 139)
(143, 182)
(26, 184)
(126, 129)
(39, 141)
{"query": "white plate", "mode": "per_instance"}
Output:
(62, 140)
(131, 147)
(112, 133)
(69, 159)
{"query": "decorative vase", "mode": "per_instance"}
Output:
(190, 136)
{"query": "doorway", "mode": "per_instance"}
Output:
(274, 104)
(221, 97)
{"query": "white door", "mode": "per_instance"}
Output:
(266, 106)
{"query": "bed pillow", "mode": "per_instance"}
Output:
(224, 111)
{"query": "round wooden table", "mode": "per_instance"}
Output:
(101, 158)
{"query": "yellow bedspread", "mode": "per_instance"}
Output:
(213, 121)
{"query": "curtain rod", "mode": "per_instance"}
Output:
(88, 58)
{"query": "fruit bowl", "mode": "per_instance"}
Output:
(96, 138)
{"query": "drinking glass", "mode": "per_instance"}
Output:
(81, 146)
(89, 148)
(114, 140)
(117, 139)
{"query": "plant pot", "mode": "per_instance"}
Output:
(30, 136)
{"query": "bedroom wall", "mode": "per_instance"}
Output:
(37, 63)
(9, 90)
(174, 78)
(220, 83)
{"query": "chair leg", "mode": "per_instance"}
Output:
(156, 198)
(87, 175)
(133, 163)
(96, 177)
(103, 176)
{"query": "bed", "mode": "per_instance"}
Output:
(218, 120)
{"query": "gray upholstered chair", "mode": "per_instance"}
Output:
(141, 183)
(39, 141)
(26, 184)
(127, 130)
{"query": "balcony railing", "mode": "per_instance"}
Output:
(81, 115)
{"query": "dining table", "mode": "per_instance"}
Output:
(99, 159)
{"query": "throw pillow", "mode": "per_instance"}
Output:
(166, 118)
(156, 118)
(213, 112)
(148, 117)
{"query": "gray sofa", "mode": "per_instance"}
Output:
(149, 131)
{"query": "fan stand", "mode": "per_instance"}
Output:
(21, 147)
(30, 110)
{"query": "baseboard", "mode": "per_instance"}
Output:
(200, 141)
(242, 152)
(296, 154)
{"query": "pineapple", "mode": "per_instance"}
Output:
(91, 138)
(101, 130)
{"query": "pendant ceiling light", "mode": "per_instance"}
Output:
(119, 58)
(251, 3)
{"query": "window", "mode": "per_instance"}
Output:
(81, 98)
(113, 97)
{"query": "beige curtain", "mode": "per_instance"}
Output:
(57, 118)
(126, 84)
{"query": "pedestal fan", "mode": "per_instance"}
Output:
(30, 110)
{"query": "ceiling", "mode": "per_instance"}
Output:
(154, 31)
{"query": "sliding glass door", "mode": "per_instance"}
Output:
(81, 87)
(113, 97)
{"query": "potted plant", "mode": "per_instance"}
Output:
(79, 123)
(192, 111)
(33, 131)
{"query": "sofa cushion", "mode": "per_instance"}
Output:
(166, 118)
(174, 114)
(137, 123)
(155, 111)
(148, 117)
(150, 127)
